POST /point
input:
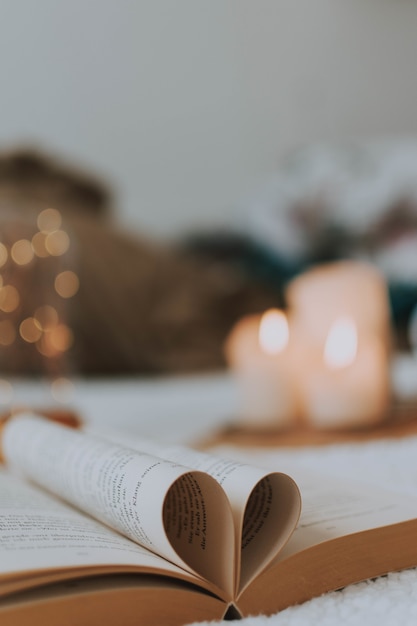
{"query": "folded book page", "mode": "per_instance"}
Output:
(179, 514)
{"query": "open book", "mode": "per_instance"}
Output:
(144, 534)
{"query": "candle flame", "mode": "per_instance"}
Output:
(273, 332)
(341, 344)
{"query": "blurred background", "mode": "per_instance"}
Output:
(186, 107)
(177, 141)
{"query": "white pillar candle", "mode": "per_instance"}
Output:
(320, 296)
(348, 384)
(342, 322)
(258, 351)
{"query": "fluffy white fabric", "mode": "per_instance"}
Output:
(386, 601)
(390, 600)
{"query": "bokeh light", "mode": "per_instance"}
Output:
(30, 330)
(47, 316)
(57, 243)
(67, 284)
(55, 341)
(61, 338)
(39, 246)
(49, 220)
(22, 252)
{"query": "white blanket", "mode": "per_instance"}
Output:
(388, 601)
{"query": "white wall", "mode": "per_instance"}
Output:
(187, 104)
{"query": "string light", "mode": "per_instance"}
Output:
(22, 252)
(30, 330)
(55, 341)
(57, 243)
(43, 327)
(39, 246)
(49, 220)
(47, 316)
(67, 284)
(61, 338)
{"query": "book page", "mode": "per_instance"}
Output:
(40, 532)
(183, 516)
(127, 600)
(265, 505)
(335, 508)
(348, 532)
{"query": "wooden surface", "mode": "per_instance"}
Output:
(401, 421)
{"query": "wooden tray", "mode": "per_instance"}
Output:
(401, 421)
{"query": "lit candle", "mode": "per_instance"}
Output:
(258, 351)
(323, 294)
(348, 386)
